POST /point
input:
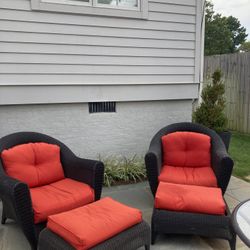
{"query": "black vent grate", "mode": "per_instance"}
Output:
(98, 107)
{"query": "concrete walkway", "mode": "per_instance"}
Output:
(139, 196)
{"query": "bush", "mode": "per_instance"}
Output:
(122, 170)
(211, 111)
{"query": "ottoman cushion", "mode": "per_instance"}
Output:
(189, 198)
(92, 224)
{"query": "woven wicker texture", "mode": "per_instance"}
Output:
(170, 222)
(222, 164)
(130, 239)
(16, 195)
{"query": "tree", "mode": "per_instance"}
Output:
(238, 33)
(245, 47)
(211, 111)
(223, 35)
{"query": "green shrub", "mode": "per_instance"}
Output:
(119, 170)
(211, 111)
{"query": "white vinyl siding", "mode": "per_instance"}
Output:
(41, 48)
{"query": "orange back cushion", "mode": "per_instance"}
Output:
(186, 149)
(36, 164)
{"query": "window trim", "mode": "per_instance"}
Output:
(93, 8)
(101, 5)
(69, 2)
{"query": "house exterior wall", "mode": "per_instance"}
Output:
(92, 55)
(126, 132)
(53, 63)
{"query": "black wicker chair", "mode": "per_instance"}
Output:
(171, 222)
(15, 195)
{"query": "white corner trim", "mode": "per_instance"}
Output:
(198, 39)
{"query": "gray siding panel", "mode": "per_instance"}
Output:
(36, 37)
(59, 59)
(80, 20)
(95, 70)
(93, 50)
(172, 8)
(171, 17)
(93, 31)
(33, 79)
(39, 47)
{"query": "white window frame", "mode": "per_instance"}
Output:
(68, 2)
(92, 8)
(100, 5)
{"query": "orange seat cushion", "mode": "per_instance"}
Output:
(188, 198)
(203, 176)
(35, 164)
(59, 197)
(186, 149)
(92, 224)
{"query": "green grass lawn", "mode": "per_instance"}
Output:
(240, 152)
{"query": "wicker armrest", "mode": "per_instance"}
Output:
(7, 185)
(17, 204)
(87, 171)
(222, 165)
(153, 162)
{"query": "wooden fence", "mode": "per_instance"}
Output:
(236, 75)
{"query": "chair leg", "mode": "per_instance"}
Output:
(30, 234)
(232, 242)
(147, 247)
(153, 236)
(33, 244)
(153, 232)
(4, 218)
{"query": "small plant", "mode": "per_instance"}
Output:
(211, 111)
(120, 170)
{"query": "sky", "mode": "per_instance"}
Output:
(237, 8)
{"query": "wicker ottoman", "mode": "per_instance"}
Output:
(211, 226)
(94, 227)
(202, 211)
(131, 239)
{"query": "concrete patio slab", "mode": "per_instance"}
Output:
(139, 196)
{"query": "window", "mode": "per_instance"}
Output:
(118, 8)
(133, 4)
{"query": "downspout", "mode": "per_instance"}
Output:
(201, 75)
